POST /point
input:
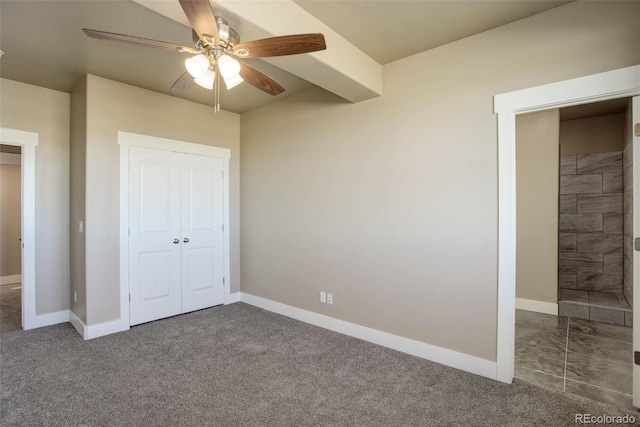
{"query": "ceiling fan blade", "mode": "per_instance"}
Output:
(202, 19)
(260, 80)
(280, 46)
(140, 41)
(185, 81)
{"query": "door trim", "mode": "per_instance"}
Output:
(126, 140)
(635, 278)
(619, 83)
(28, 142)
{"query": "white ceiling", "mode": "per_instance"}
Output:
(391, 30)
(44, 44)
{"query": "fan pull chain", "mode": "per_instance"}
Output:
(216, 90)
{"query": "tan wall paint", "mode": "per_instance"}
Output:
(391, 203)
(45, 112)
(537, 181)
(600, 134)
(78, 199)
(113, 107)
(10, 210)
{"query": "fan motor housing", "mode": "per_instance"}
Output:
(226, 33)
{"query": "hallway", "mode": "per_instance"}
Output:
(10, 308)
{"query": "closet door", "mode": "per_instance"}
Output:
(202, 235)
(154, 235)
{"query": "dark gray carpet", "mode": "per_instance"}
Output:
(239, 365)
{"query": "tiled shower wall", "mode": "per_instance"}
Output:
(627, 202)
(591, 223)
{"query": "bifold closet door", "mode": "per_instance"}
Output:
(154, 235)
(175, 233)
(202, 235)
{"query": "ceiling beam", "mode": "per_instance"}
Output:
(342, 69)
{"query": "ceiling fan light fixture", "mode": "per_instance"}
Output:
(197, 65)
(229, 67)
(232, 82)
(216, 47)
(206, 80)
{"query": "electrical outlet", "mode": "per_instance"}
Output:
(323, 297)
(75, 296)
(329, 298)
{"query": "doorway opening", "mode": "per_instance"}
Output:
(27, 142)
(574, 250)
(620, 83)
(10, 238)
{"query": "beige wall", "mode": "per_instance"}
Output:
(45, 112)
(10, 210)
(113, 107)
(78, 199)
(600, 134)
(391, 203)
(537, 181)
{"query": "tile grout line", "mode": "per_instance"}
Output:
(599, 387)
(600, 337)
(566, 351)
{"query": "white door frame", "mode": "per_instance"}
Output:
(635, 290)
(27, 141)
(126, 139)
(619, 83)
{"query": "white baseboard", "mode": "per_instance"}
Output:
(10, 280)
(106, 328)
(48, 319)
(77, 324)
(537, 306)
(99, 330)
(462, 361)
(231, 298)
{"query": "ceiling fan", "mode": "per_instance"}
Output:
(217, 48)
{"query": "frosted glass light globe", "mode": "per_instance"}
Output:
(197, 65)
(229, 67)
(206, 81)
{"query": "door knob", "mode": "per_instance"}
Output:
(186, 240)
(176, 241)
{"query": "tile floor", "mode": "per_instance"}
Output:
(582, 357)
(10, 308)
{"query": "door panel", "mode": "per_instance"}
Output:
(155, 275)
(202, 216)
(635, 115)
(201, 269)
(154, 223)
(154, 193)
(201, 181)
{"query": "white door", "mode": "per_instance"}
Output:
(175, 233)
(154, 235)
(635, 124)
(202, 236)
